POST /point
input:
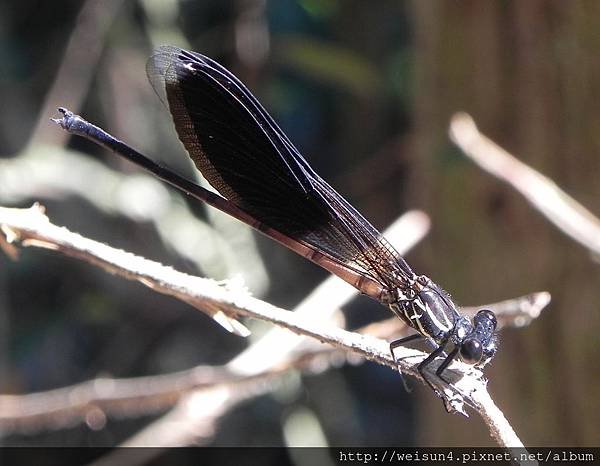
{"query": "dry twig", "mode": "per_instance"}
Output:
(558, 207)
(31, 227)
(93, 401)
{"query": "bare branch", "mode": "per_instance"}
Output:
(93, 400)
(515, 312)
(31, 227)
(558, 207)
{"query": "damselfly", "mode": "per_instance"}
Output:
(265, 182)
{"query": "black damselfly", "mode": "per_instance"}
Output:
(265, 182)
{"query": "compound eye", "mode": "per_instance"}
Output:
(487, 315)
(471, 351)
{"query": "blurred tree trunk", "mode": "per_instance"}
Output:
(528, 72)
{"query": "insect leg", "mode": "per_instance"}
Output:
(446, 363)
(428, 360)
(400, 342)
(395, 344)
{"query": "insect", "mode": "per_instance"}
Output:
(264, 181)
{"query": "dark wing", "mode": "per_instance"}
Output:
(245, 156)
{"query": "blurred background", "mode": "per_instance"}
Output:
(365, 90)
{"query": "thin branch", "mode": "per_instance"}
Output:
(191, 422)
(31, 227)
(558, 207)
(93, 400)
(515, 312)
